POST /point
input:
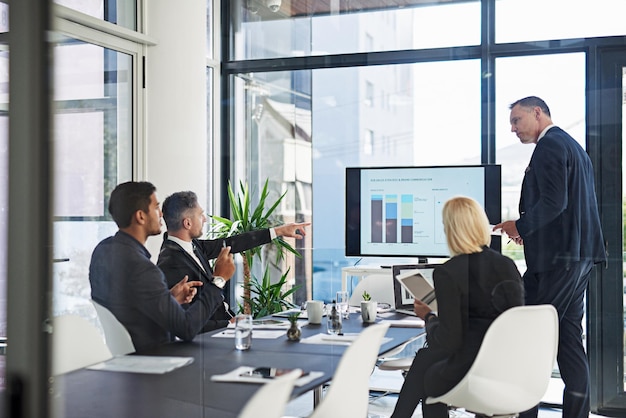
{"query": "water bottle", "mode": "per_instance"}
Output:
(334, 320)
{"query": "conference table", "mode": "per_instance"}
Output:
(189, 391)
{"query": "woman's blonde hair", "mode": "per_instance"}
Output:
(466, 226)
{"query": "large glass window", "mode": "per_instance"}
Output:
(120, 12)
(537, 20)
(282, 29)
(292, 139)
(559, 79)
(93, 153)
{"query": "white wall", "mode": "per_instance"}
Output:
(176, 138)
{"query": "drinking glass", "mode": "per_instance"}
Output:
(243, 331)
(342, 303)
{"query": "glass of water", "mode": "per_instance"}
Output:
(342, 303)
(243, 331)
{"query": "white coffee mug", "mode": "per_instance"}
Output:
(315, 311)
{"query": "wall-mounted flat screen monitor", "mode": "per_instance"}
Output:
(396, 211)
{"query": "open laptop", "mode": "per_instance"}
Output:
(403, 300)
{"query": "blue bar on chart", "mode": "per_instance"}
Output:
(406, 220)
(391, 218)
(377, 218)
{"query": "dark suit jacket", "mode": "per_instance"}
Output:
(125, 280)
(472, 290)
(559, 219)
(175, 263)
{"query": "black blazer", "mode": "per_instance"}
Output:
(559, 219)
(175, 263)
(125, 280)
(472, 290)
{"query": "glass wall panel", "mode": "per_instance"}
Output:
(209, 29)
(321, 28)
(4, 181)
(362, 116)
(559, 79)
(624, 208)
(120, 12)
(272, 127)
(92, 153)
(537, 20)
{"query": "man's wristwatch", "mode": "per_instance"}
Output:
(429, 315)
(219, 281)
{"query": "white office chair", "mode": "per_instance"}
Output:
(76, 343)
(379, 286)
(115, 334)
(271, 399)
(513, 366)
(348, 393)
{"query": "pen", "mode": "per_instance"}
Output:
(224, 244)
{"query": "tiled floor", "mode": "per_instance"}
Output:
(382, 406)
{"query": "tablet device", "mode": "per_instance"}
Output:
(411, 281)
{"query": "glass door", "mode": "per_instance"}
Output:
(607, 293)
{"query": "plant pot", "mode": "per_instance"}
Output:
(294, 332)
(369, 310)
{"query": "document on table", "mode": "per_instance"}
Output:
(267, 334)
(405, 323)
(266, 324)
(142, 364)
(242, 375)
(334, 339)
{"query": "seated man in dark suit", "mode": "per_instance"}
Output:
(184, 254)
(125, 280)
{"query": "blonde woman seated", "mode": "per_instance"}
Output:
(472, 288)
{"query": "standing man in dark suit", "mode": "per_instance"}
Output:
(559, 226)
(184, 254)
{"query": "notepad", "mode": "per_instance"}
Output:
(243, 374)
(142, 364)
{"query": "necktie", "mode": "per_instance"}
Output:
(199, 258)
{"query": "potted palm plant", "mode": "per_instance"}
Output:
(269, 297)
(246, 218)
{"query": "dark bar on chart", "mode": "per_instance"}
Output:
(377, 218)
(406, 218)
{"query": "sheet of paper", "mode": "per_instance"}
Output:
(236, 376)
(303, 314)
(256, 333)
(142, 364)
(266, 324)
(405, 323)
(323, 338)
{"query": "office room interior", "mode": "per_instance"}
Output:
(194, 95)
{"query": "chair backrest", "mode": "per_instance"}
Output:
(76, 343)
(115, 334)
(271, 399)
(379, 286)
(348, 393)
(513, 367)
